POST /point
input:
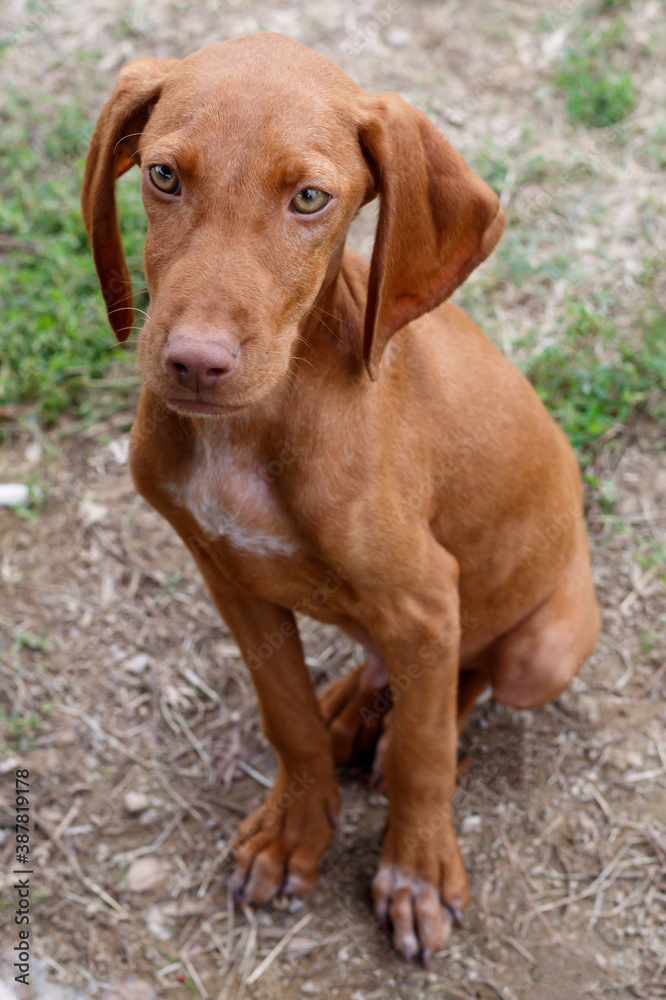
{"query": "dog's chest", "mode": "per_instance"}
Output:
(235, 502)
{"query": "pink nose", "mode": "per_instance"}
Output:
(198, 364)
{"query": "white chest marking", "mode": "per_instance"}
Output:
(229, 500)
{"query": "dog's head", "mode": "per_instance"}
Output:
(255, 156)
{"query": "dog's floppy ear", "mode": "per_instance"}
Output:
(437, 220)
(111, 152)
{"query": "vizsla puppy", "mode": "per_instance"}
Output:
(326, 437)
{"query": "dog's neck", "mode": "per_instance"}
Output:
(331, 334)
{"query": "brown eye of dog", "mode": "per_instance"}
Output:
(309, 200)
(165, 179)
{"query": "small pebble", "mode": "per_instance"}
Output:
(14, 495)
(398, 37)
(136, 802)
(144, 874)
(471, 823)
(137, 663)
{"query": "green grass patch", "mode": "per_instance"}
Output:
(592, 382)
(492, 166)
(17, 731)
(598, 91)
(653, 556)
(54, 336)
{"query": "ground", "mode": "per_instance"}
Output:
(123, 695)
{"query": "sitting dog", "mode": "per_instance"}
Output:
(326, 436)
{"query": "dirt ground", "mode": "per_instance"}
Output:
(124, 696)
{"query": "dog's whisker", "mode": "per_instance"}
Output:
(296, 357)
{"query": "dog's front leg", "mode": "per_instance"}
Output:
(278, 847)
(421, 882)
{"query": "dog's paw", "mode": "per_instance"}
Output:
(278, 848)
(354, 708)
(419, 890)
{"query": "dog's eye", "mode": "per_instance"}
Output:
(309, 200)
(165, 179)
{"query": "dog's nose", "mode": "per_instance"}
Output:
(200, 364)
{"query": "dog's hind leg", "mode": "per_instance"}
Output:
(354, 707)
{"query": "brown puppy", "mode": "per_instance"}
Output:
(325, 437)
